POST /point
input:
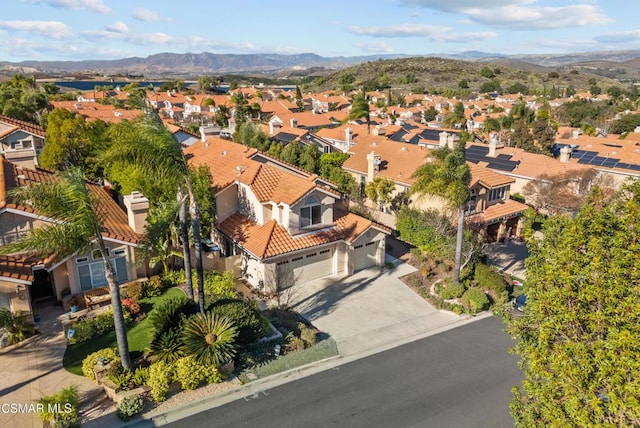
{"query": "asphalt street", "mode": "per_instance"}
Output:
(460, 378)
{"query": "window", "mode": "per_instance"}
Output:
(91, 273)
(499, 193)
(311, 212)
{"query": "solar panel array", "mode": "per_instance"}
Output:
(501, 162)
(588, 157)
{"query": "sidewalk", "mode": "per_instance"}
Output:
(33, 369)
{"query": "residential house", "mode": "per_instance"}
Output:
(273, 217)
(26, 279)
(21, 142)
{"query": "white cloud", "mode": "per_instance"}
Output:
(29, 49)
(94, 5)
(518, 14)
(467, 37)
(148, 15)
(374, 47)
(118, 27)
(621, 37)
(51, 29)
(400, 30)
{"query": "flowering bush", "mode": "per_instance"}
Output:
(132, 305)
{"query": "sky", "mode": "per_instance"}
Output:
(48, 30)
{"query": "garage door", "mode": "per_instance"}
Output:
(364, 256)
(312, 265)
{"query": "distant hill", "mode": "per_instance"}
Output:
(190, 65)
(432, 74)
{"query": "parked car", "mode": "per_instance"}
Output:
(520, 302)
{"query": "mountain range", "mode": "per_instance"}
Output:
(195, 64)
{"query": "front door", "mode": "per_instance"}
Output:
(41, 287)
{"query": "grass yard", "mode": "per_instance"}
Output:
(138, 335)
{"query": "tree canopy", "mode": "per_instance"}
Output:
(579, 340)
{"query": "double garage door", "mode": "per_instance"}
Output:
(312, 265)
(364, 256)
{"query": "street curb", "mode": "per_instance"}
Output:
(254, 388)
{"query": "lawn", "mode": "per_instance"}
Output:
(138, 335)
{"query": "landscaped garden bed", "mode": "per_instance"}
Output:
(177, 348)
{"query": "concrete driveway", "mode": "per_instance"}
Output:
(370, 310)
(509, 257)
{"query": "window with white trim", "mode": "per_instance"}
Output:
(311, 212)
(91, 274)
(498, 193)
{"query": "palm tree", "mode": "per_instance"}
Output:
(158, 156)
(447, 176)
(209, 338)
(78, 226)
(360, 109)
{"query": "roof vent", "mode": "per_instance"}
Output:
(224, 153)
(404, 149)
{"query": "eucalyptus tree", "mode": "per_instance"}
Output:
(446, 175)
(78, 226)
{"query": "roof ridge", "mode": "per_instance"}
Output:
(269, 227)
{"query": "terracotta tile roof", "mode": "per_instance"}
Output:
(16, 268)
(399, 160)
(116, 224)
(504, 209)
(271, 239)
(626, 150)
(94, 111)
(487, 177)
(10, 130)
(29, 127)
(272, 184)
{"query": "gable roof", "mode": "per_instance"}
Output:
(486, 177)
(116, 224)
(271, 239)
(25, 126)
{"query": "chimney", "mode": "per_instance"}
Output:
(452, 139)
(203, 134)
(493, 146)
(443, 138)
(294, 122)
(565, 154)
(373, 165)
(348, 135)
(137, 207)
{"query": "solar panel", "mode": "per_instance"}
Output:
(610, 163)
(623, 165)
(597, 160)
(502, 166)
(634, 167)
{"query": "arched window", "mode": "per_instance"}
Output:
(311, 212)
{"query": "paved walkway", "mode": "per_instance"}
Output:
(33, 369)
(369, 310)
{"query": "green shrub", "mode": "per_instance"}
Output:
(129, 407)
(141, 376)
(173, 278)
(123, 378)
(87, 328)
(475, 299)
(67, 402)
(166, 346)
(488, 279)
(160, 378)
(189, 372)
(244, 315)
(223, 285)
(154, 287)
(134, 290)
(89, 362)
(212, 374)
(452, 290)
(167, 314)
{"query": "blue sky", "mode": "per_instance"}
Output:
(109, 29)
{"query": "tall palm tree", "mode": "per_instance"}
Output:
(447, 176)
(158, 156)
(78, 226)
(360, 109)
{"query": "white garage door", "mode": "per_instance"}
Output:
(364, 256)
(312, 265)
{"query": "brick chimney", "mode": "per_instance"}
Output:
(373, 165)
(137, 208)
